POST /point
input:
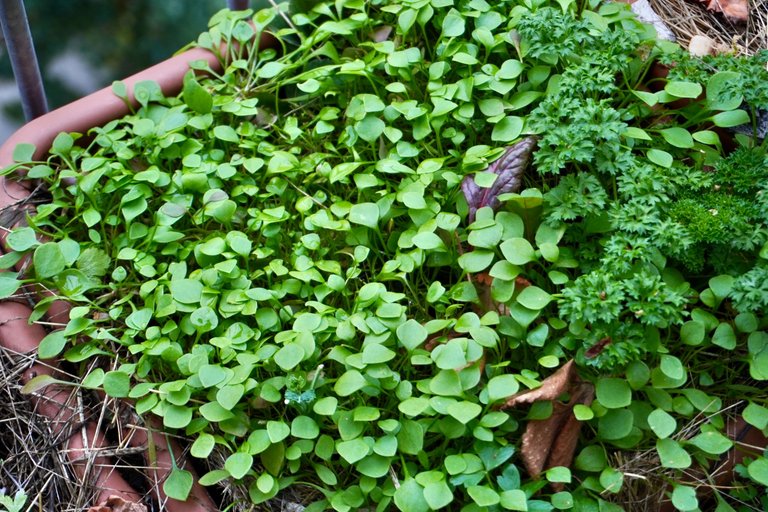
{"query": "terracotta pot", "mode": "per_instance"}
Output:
(81, 442)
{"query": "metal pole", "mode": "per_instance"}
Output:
(237, 5)
(21, 50)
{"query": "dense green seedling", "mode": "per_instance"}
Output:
(286, 267)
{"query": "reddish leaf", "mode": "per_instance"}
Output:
(597, 348)
(509, 169)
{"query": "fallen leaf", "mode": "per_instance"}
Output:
(552, 442)
(509, 170)
(596, 349)
(735, 10)
(118, 504)
(551, 387)
(561, 453)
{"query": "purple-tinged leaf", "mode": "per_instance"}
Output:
(509, 171)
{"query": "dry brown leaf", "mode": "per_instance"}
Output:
(551, 387)
(118, 504)
(552, 442)
(539, 438)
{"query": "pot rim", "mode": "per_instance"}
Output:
(102, 106)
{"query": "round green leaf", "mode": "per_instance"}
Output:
(692, 332)
(730, 118)
(720, 91)
(712, 442)
(518, 251)
(349, 382)
(211, 374)
(684, 498)
(366, 214)
(615, 424)
(277, 431)
(721, 285)
(559, 474)
(304, 427)
(48, 260)
(637, 374)
(21, 239)
(229, 396)
(409, 497)
(662, 423)
(226, 133)
(438, 495)
(483, 496)
(289, 356)
(613, 393)
(374, 466)
(672, 455)
(660, 158)
(196, 96)
(683, 89)
(186, 291)
(238, 464)
(376, 353)
(212, 411)
(476, 261)
(758, 470)
(453, 24)
(353, 450)
(370, 128)
(508, 129)
(178, 484)
(176, 416)
(582, 412)
(707, 137)
(464, 411)
(724, 336)
(756, 415)
(502, 386)
(533, 297)
(428, 241)
(326, 406)
(411, 334)
(612, 480)
(117, 384)
(52, 345)
(678, 137)
(203, 446)
(672, 367)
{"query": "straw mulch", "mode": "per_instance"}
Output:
(30, 459)
(688, 18)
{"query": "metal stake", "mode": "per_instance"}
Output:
(21, 50)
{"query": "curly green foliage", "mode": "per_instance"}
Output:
(576, 196)
(600, 297)
(552, 35)
(750, 290)
(716, 217)
(745, 171)
(725, 229)
(620, 308)
(577, 131)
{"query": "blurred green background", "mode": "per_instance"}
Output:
(83, 45)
